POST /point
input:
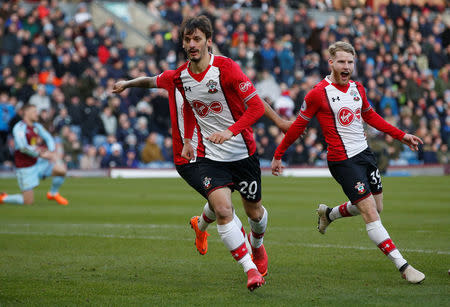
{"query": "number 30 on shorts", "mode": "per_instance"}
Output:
(248, 189)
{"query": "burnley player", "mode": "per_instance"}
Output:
(34, 160)
(340, 105)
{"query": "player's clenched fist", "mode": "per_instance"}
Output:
(119, 87)
(220, 137)
(277, 168)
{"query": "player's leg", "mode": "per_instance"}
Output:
(15, 199)
(58, 173)
(217, 179)
(28, 179)
(359, 178)
(190, 173)
(247, 176)
(379, 235)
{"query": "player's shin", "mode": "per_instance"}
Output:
(16, 199)
(207, 217)
(345, 210)
(258, 230)
(378, 234)
(57, 181)
(233, 239)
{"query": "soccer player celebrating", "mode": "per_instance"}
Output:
(34, 160)
(219, 92)
(340, 104)
(170, 80)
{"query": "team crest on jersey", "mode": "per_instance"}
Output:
(207, 182)
(203, 109)
(244, 86)
(345, 116)
(355, 95)
(212, 86)
(360, 187)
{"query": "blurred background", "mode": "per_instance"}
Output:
(65, 56)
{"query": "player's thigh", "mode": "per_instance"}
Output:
(352, 178)
(27, 177)
(190, 173)
(214, 175)
(247, 178)
(373, 173)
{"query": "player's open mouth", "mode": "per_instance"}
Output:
(193, 52)
(345, 74)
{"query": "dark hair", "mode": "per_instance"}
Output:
(28, 106)
(201, 23)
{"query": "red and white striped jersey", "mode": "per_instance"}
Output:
(166, 81)
(340, 111)
(221, 97)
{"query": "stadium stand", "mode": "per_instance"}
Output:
(66, 66)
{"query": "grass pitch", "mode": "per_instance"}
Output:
(127, 242)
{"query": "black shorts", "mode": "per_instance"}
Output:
(243, 175)
(359, 176)
(190, 173)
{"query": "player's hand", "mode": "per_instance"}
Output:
(284, 125)
(48, 155)
(119, 87)
(188, 151)
(220, 137)
(412, 141)
(277, 167)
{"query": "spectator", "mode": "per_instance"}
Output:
(115, 159)
(89, 160)
(91, 124)
(40, 99)
(151, 151)
(131, 161)
(109, 121)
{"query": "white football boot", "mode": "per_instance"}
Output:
(412, 275)
(323, 220)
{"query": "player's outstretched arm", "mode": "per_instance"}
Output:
(145, 82)
(412, 141)
(273, 116)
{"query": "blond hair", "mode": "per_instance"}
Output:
(341, 46)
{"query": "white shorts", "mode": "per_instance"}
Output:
(29, 177)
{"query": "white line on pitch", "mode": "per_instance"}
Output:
(112, 236)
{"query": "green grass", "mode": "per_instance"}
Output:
(127, 242)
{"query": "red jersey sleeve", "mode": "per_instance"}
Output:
(372, 118)
(165, 80)
(309, 108)
(189, 120)
(235, 80)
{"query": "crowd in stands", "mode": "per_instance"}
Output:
(67, 67)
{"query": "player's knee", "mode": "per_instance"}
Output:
(223, 212)
(28, 201)
(255, 214)
(59, 171)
